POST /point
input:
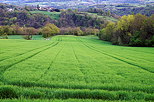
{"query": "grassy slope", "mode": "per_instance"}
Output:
(56, 15)
(52, 15)
(77, 68)
(104, 17)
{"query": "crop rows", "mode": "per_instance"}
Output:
(69, 67)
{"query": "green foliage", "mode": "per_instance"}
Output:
(17, 30)
(80, 19)
(90, 31)
(106, 33)
(49, 30)
(3, 36)
(71, 31)
(27, 37)
(23, 18)
(133, 30)
(77, 31)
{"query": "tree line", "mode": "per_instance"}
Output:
(132, 30)
(46, 31)
(68, 18)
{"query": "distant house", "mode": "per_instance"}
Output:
(10, 9)
(43, 9)
(49, 9)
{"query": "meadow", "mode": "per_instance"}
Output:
(34, 37)
(104, 17)
(75, 69)
(52, 15)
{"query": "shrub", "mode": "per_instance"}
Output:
(71, 31)
(49, 30)
(3, 36)
(27, 37)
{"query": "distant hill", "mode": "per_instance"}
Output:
(114, 1)
(127, 1)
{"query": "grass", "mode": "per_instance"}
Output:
(52, 15)
(34, 37)
(70, 68)
(104, 17)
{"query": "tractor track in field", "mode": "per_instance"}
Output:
(29, 51)
(26, 52)
(94, 49)
(51, 63)
(127, 48)
(126, 57)
(24, 59)
(96, 61)
(80, 68)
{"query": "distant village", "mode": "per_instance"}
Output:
(49, 9)
(11, 8)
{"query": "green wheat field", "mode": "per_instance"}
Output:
(75, 69)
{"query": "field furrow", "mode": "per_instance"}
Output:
(79, 64)
(123, 59)
(76, 68)
(4, 67)
(52, 61)
(26, 52)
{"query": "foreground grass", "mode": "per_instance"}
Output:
(75, 68)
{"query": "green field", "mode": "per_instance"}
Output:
(104, 17)
(52, 15)
(34, 37)
(75, 69)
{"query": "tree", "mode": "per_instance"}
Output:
(133, 30)
(142, 30)
(107, 33)
(6, 29)
(50, 30)
(17, 30)
(123, 29)
(3, 33)
(90, 31)
(78, 32)
(28, 32)
(71, 31)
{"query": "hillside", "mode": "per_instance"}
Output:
(118, 7)
(121, 1)
(52, 15)
(70, 68)
(30, 16)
